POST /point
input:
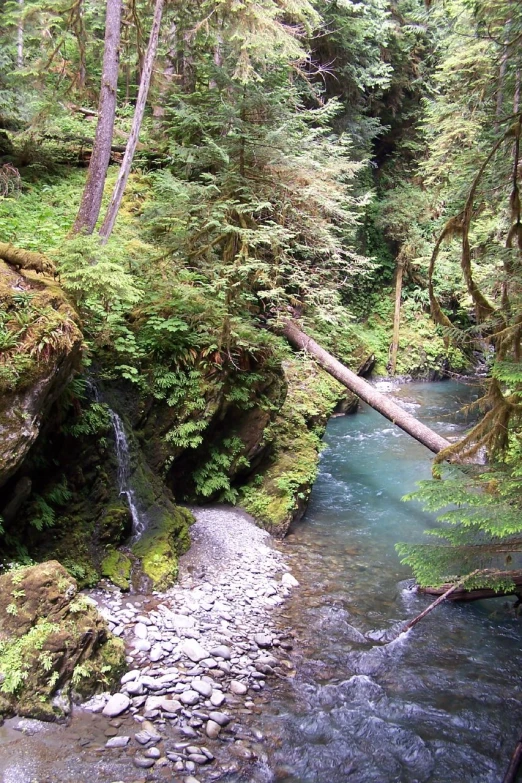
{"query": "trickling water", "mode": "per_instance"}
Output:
(124, 472)
(440, 704)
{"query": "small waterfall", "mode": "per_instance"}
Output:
(124, 485)
(124, 470)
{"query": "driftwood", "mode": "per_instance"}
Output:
(358, 386)
(26, 259)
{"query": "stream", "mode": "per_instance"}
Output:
(439, 705)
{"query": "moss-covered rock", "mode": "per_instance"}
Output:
(164, 540)
(117, 567)
(278, 491)
(49, 637)
(39, 350)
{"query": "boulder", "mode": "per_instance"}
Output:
(51, 640)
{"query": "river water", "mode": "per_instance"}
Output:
(439, 705)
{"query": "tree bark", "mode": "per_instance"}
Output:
(93, 192)
(119, 188)
(396, 316)
(358, 386)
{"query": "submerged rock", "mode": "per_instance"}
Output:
(51, 640)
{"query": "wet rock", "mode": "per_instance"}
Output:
(142, 762)
(152, 753)
(117, 742)
(212, 729)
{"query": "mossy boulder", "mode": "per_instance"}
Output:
(39, 351)
(117, 567)
(278, 492)
(51, 639)
(165, 539)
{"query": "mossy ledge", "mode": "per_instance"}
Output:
(161, 544)
(277, 494)
(53, 643)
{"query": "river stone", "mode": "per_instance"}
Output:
(203, 688)
(117, 742)
(212, 729)
(140, 631)
(289, 581)
(263, 640)
(171, 705)
(142, 645)
(135, 687)
(141, 761)
(222, 652)
(129, 676)
(193, 650)
(117, 704)
(189, 698)
(157, 653)
(221, 718)
(152, 753)
(217, 698)
(238, 688)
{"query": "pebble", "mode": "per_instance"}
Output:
(200, 647)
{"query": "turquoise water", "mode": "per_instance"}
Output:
(439, 705)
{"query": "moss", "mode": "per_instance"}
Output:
(54, 637)
(279, 490)
(116, 566)
(161, 544)
(102, 671)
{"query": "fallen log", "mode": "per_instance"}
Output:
(26, 259)
(479, 593)
(358, 386)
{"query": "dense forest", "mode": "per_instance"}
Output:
(176, 183)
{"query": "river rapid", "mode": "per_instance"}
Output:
(439, 705)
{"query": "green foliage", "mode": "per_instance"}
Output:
(15, 655)
(213, 477)
(481, 531)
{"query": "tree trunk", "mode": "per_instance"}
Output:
(479, 593)
(93, 192)
(20, 37)
(396, 316)
(119, 188)
(366, 392)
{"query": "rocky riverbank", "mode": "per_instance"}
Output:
(200, 657)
